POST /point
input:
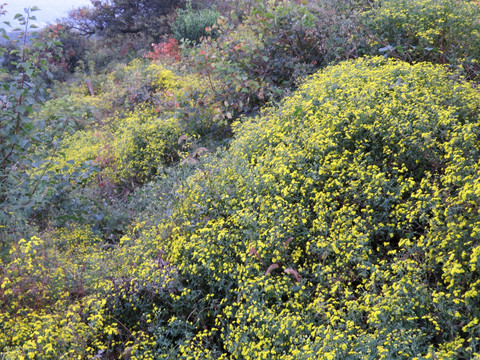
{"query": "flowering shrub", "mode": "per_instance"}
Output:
(44, 308)
(342, 225)
(132, 147)
(434, 30)
(138, 82)
(142, 143)
(65, 295)
(127, 146)
(125, 87)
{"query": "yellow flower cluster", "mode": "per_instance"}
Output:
(59, 296)
(342, 225)
(131, 145)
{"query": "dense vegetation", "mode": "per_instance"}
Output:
(269, 180)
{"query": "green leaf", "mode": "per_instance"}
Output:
(21, 109)
(13, 139)
(35, 8)
(17, 16)
(29, 72)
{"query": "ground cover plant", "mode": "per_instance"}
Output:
(237, 190)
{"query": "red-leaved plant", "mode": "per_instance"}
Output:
(165, 50)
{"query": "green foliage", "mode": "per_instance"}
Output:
(299, 37)
(143, 143)
(22, 88)
(123, 17)
(223, 69)
(271, 50)
(10, 56)
(63, 61)
(342, 225)
(441, 31)
(192, 24)
(129, 146)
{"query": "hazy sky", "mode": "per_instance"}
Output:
(49, 9)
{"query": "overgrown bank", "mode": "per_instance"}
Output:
(338, 222)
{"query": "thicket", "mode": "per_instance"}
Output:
(439, 31)
(265, 186)
(341, 225)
